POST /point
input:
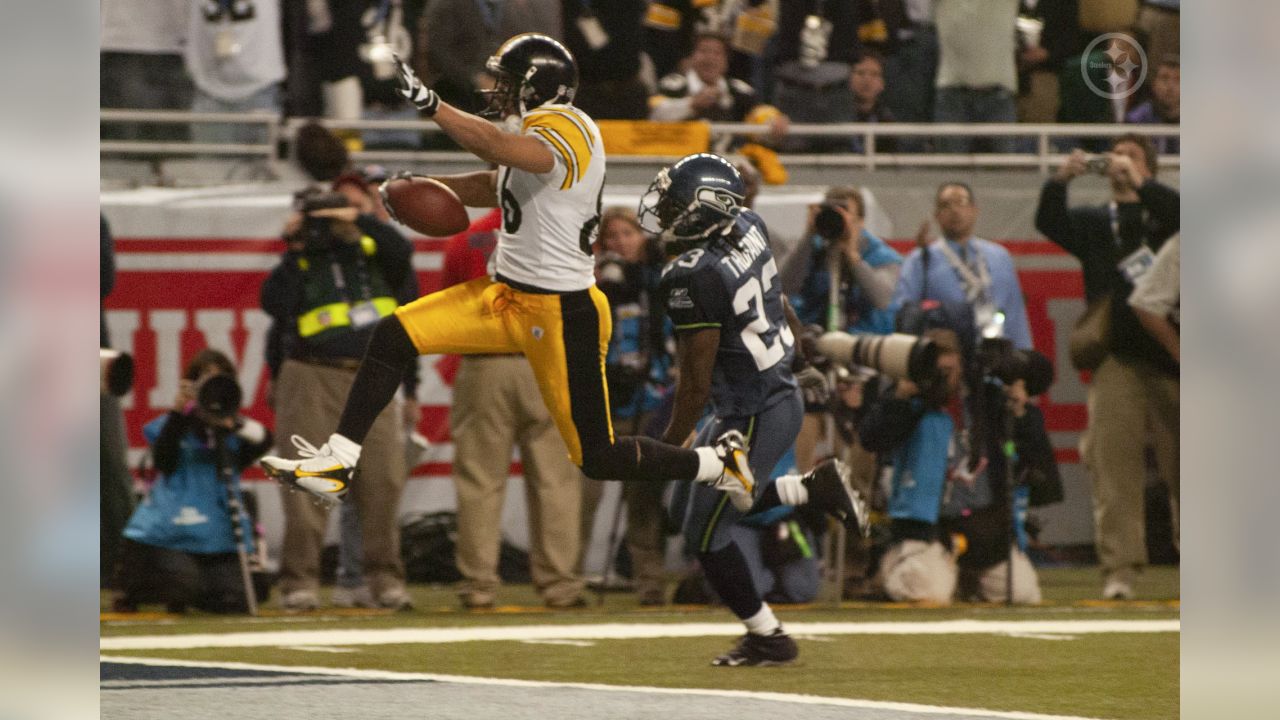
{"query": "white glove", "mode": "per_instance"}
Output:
(422, 97)
(814, 386)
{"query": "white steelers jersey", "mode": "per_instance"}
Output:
(549, 220)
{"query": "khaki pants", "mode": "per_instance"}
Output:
(496, 405)
(1130, 404)
(309, 400)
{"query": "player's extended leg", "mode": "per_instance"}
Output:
(706, 530)
(566, 338)
(463, 319)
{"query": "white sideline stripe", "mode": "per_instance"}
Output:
(502, 682)
(621, 631)
(235, 261)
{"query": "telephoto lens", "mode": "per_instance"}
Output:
(896, 355)
(219, 396)
(828, 223)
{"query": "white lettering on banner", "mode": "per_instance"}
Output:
(217, 325)
(167, 326)
(122, 324)
(1067, 388)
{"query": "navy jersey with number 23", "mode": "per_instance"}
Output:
(732, 283)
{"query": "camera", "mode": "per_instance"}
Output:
(896, 355)
(611, 269)
(998, 358)
(828, 223)
(1097, 164)
(317, 233)
(219, 396)
(116, 372)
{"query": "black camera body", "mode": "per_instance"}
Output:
(317, 233)
(829, 223)
(998, 358)
(219, 396)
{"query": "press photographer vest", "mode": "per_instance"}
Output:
(342, 290)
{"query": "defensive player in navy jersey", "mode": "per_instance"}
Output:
(735, 349)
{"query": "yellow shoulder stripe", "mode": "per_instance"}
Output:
(572, 169)
(571, 133)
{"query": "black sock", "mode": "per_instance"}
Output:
(381, 371)
(639, 458)
(727, 573)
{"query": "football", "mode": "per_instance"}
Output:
(424, 205)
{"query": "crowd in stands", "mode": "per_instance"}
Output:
(765, 61)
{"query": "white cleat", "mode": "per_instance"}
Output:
(319, 472)
(736, 480)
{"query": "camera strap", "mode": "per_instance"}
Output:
(977, 285)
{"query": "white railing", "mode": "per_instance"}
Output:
(277, 129)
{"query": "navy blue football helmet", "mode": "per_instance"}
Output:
(693, 201)
(531, 70)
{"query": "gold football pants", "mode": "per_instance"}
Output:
(565, 337)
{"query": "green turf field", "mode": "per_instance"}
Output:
(1109, 675)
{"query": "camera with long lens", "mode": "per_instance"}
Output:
(829, 223)
(218, 397)
(897, 355)
(317, 233)
(998, 358)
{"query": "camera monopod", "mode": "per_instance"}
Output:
(238, 517)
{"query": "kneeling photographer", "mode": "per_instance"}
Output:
(949, 495)
(186, 544)
(985, 509)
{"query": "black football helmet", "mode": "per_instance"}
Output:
(693, 201)
(531, 70)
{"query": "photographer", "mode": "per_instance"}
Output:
(867, 272)
(1134, 387)
(637, 367)
(340, 274)
(180, 545)
(912, 425)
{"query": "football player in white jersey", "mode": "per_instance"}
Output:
(540, 299)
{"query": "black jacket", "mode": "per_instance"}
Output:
(281, 297)
(1086, 232)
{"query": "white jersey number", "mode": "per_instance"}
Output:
(752, 294)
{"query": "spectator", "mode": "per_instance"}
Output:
(605, 38)
(963, 269)
(867, 275)
(338, 276)
(496, 406)
(235, 56)
(705, 93)
(180, 544)
(1134, 390)
(1159, 25)
(672, 27)
(386, 29)
(977, 78)
(1048, 34)
(915, 429)
(867, 83)
(911, 68)
(461, 34)
(142, 64)
(782, 556)
(810, 79)
(1163, 106)
(628, 268)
